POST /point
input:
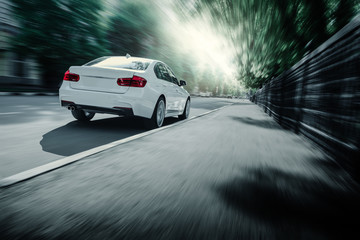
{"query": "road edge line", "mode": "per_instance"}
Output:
(34, 172)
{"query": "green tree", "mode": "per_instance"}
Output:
(59, 33)
(343, 14)
(271, 36)
(133, 29)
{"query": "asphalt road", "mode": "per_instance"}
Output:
(231, 174)
(35, 130)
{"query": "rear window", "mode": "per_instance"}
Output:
(119, 62)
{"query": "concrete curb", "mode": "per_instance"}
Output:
(22, 176)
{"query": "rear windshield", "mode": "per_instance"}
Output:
(120, 62)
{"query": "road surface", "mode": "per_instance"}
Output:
(231, 174)
(35, 130)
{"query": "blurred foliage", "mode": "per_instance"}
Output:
(271, 36)
(132, 30)
(266, 37)
(59, 32)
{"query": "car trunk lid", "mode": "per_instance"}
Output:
(100, 79)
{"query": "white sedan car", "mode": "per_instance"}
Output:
(125, 86)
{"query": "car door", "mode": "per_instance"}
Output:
(181, 95)
(163, 75)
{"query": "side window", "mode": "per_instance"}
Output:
(157, 71)
(172, 76)
(161, 72)
(164, 73)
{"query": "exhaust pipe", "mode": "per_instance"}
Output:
(71, 107)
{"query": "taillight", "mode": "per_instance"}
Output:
(138, 81)
(71, 76)
(135, 81)
(124, 82)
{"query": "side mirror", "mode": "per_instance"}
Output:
(182, 83)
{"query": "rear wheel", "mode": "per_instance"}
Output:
(82, 115)
(158, 116)
(186, 112)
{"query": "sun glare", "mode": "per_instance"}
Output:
(198, 37)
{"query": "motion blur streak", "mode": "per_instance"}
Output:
(319, 97)
(220, 47)
(231, 174)
(197, 36)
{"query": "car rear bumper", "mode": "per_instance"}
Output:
(132, 103)
(121, 111)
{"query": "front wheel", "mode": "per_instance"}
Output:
(186, 112)
(82, 115)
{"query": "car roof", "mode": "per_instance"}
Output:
(134, 58)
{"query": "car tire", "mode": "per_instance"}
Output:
(186, 112)
(158, 115)
(82, 116)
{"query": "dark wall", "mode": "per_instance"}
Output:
(319, 97)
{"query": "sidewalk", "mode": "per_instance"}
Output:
(232, 174)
